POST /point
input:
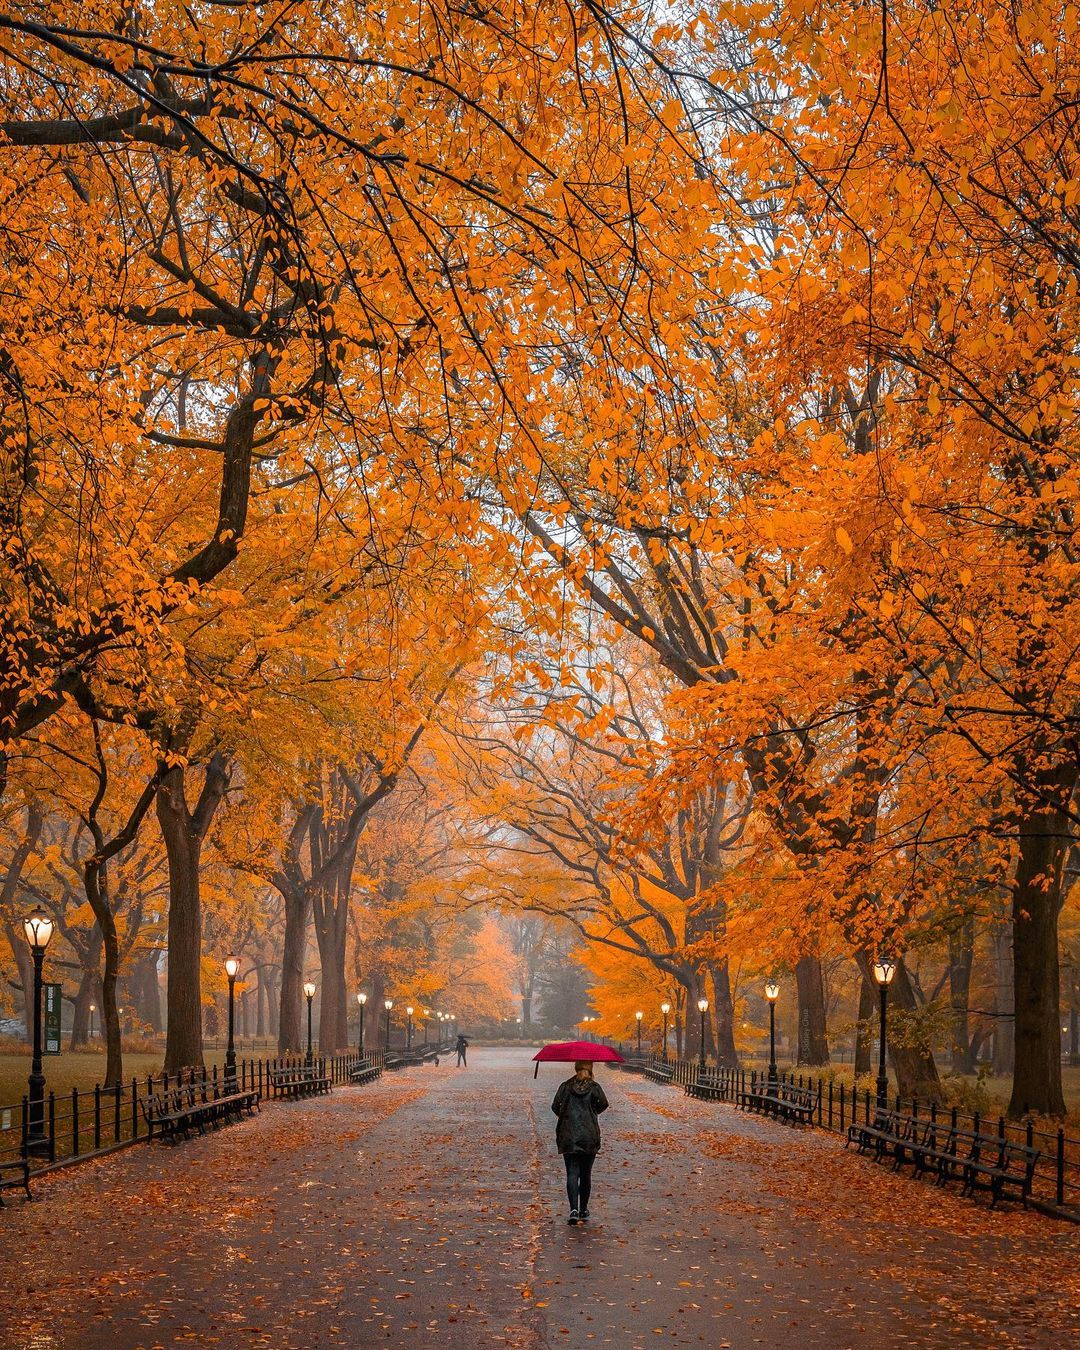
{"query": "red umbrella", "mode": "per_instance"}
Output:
(569, 1052)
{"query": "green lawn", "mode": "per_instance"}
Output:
(81, 1069)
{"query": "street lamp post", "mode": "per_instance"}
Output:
(38, 929)
(665, 1008)
(361, 999)
(639, 1016)
(772, 993)
(93, 1010)
(232, 969)
(703, 1008)
(309, 994)
(388, 1003)
(408, 1027)
(884, 970)
(426, 1013)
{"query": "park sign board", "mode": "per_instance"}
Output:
(54, 1001)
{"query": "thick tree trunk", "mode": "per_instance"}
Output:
(80, 1008)
(1002, 1054)
(913, 1064)
(149, 992)
(183, 1034)
(184, 831)
(1036, 902)
(292, 1034)
(330, 909)
(961, 954)
(24, 964)
(864, 1030)
(723, 1015)
(813, 1036)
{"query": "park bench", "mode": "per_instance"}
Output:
(706, 1088)
(177, 1111)
(980, 1162)
(660, 1073)
(301, 1080)
(21, 1166)
(997, 1165)
(365, 1072)
(783, 1101)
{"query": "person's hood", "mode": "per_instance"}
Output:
(581, 1086)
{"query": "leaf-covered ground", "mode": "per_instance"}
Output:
(428, 1210)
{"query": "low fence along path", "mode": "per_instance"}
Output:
(428, 1209)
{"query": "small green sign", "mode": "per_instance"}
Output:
(54, 1001)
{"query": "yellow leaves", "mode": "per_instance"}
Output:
(843, 539)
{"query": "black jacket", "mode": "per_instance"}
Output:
(577, 1104)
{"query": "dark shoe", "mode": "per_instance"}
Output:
(583, 1216)
(574, 1216)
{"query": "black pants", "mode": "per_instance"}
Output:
(579, 1179)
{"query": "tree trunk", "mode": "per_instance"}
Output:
(913, 1064)
(80, 1008)
(1002, 1054)
(723, 1008)
(813, 1037)
(184, 831)
(961, 954)
(24, 962)
(291, 1029)
(1036, 902)
(864, 1030)
(330, 909)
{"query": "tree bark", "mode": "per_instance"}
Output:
(1002, 1054)
(961, 955)
(24, 962)
(1037, 896)
(723, 1014)
(813, 1038)
(184, 832)
(291, 1030)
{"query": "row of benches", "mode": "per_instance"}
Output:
(991, 1163)
(981, 1162)
(778, 1099)
(175, 1112)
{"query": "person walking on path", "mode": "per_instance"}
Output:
(578, 1103)
(462, 1046)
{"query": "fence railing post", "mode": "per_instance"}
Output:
(74, 1122)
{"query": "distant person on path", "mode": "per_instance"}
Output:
(462, 1046)
(578, 1103)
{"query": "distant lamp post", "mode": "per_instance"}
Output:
(703, 1008)
(772, 993)
(232, 969)
(93, 1010)
(361, 998)
(884, 970)
(639, 1016)
(38, 929)
(665, 1008)
(408, 1027)
(309, 994)
(388, 1003)
(426, 1013)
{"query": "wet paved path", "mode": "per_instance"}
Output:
(428, 1210)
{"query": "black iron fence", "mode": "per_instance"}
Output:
(88, 1122)
(837, 1106)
